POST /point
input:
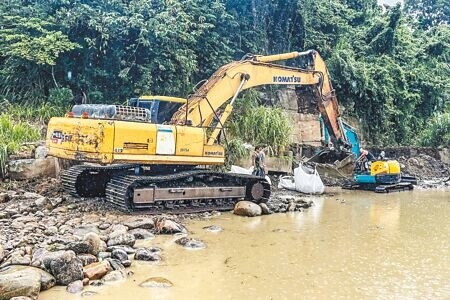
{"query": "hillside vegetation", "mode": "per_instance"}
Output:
(389, 66)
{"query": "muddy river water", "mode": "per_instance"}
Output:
(348, 245)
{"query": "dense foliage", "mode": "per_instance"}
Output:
(389, 66)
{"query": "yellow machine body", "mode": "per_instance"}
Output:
(385, 167)
(111, 141)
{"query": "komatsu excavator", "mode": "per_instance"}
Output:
(141, 159)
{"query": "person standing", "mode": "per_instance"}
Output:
(259, 162)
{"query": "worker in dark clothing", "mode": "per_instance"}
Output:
(259, 162)
(365, 158)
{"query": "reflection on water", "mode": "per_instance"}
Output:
(349, 245)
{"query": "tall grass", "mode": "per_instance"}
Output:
(235, 150)
(37, 113)
(13, 133)
(261, 125)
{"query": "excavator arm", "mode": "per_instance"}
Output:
(227, 82)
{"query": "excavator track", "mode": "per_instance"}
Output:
(90, 181)
(191, 191)
(380, 188)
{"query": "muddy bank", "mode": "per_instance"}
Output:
(45, 233)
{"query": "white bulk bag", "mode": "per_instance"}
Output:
(308, 183)
(287, 182)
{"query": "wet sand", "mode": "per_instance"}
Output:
(348, 245)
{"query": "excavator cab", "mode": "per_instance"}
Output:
(161, 108)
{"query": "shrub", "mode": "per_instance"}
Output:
(437, 132)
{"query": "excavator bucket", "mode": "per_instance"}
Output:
(332, 163)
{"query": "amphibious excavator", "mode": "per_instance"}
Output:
(139, 158)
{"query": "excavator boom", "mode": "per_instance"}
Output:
(227, 82)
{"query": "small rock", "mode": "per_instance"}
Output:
(87, 259)
(126, 263)
(247, 209)
(2, 253)
(42, 202)
(144, 223)
(114, 276)
(75, 287)
(156, 282)
(96, 282)
(29, 195)
(104, 226)
(265, 209)
(119, 254)
(51, 230)
(63, 229)
(40, 152)
(213, 228)
(291, 206)
(104, 255)
(190, 243)
(4, 197)
(146, 255)
(122, 239)
(127, 249)
(96, 270)
(94, 241)
(88, 293)
(115, 264)
(55, 201)
(142, 234)
(117, 230)
(167, 226)
(17, 259)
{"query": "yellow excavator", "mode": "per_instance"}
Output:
(142, 158)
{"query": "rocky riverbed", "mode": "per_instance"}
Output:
(48, 238)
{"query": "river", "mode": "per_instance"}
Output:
(349, 245)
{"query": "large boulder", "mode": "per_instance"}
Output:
(247, 209)
(23, 169)
(64, 265)
(26, 282)
(47, 280)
